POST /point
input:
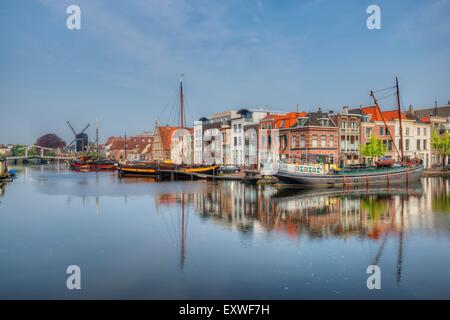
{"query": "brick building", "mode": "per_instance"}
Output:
(312, 139)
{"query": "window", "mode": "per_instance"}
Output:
(424, 144)
(269, 127)
(239, 127)
(424, 131)
(324, 141)
(407, 132)
(294, 141)
(387, 131)
(368, 132)
(418, 133)
(314, 141)
(302, 141)
(343, 125)
(407, 144)
(234, 128)
(283, 141)
(390, 145)
(282, 124)
(418, 143)
(235, 141)
(381, 131)
(331, 141)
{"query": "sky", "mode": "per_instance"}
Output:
(123, 65)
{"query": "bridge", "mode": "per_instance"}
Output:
(42, 157)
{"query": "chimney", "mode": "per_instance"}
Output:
(345, 110)
(319, 110)
(411, 109)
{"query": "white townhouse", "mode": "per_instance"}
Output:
(206, 138)
(243, 139)
(416, 139)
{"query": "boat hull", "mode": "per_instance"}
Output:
(137, 171)
(93, 166)
(388, 176)
(166, 171)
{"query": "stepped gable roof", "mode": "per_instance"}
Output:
(166, 133)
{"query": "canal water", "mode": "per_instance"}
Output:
(137, 238)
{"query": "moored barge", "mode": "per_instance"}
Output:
(99, 165)
(314, 176)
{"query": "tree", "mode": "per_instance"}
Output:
(374, 148)
(441, 143)
(50, 140)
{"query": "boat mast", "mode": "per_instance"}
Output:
(182, 116)
(181, 103)
(126, 147)
(399, 118)
(96, 138)
(384, 120)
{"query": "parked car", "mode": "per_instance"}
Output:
(229, 169)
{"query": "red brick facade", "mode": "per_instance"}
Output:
(309, 145)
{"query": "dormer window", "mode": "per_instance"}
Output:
(324, 122)
(301, 121)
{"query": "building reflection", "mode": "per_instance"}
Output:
(376, 214)
(329, 213)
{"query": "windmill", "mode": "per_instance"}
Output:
(81, 139)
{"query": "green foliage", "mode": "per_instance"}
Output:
(441, 143)
(17, 150)
(374, 148)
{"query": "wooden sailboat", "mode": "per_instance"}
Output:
(399, 174)
(163, 170)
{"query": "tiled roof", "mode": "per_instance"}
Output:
(439, 111)
(286, 120)
(314, 119)
(388, 115)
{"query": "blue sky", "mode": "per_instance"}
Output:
(123, 65)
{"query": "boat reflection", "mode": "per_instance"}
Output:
(2, 190)
(364, 213)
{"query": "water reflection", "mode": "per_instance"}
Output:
(363, 213)
(374, 214)
(2, 189)
(197, 239)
